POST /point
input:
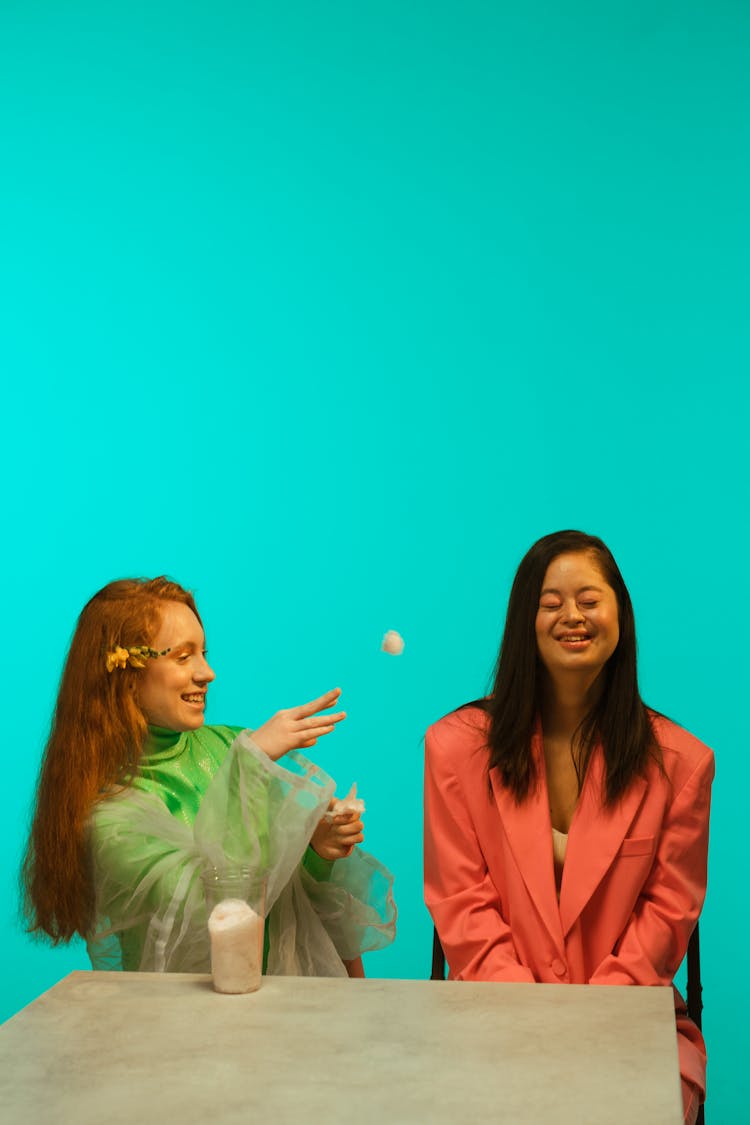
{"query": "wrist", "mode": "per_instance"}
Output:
(316, 865)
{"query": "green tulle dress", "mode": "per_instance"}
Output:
(211, 797)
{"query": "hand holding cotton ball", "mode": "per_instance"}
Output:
(351, 803)
(393, 643)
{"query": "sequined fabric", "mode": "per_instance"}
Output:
(179, 767)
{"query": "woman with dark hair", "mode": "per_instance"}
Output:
(137, 797)
(566, 824)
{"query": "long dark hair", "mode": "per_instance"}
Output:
(619, 719)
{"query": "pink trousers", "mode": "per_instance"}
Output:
(691, 1100)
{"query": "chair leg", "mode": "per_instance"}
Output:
(694, 987)
(438, 958)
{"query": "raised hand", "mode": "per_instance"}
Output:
(298, 728)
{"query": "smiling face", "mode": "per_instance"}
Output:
(172, 689)
(577, 625)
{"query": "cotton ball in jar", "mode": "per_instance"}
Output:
(393, 643)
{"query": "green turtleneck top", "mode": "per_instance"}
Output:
(179, 766)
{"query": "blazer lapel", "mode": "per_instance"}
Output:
(596, 834)
(529, 832)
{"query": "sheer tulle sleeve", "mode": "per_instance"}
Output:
(147, 866)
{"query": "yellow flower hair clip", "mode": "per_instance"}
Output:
(136, 656)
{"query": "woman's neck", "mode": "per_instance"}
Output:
(566, 701)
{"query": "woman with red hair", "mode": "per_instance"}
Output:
(137, 797)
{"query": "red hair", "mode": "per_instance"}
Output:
(95, 742)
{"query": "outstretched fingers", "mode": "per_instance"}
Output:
(320, 721)
(311, 736)
(298, 728)
(322, 703)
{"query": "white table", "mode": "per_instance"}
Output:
(145, 1048)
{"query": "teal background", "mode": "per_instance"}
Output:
(329, 310)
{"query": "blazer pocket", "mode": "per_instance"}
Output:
(637, 845)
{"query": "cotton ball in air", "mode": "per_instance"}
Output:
(393, 643)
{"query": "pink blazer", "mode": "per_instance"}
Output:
(633, 883)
